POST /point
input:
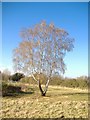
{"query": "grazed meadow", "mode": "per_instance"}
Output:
(59, 102)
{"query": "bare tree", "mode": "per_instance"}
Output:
(6, 74)
(42, 50)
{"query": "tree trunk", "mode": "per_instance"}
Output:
(43, 93)
(46, 87)
(40, 88)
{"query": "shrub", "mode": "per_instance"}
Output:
(9, 89)
(16, 76)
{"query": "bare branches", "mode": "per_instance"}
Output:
(42, 50)
(43, 45)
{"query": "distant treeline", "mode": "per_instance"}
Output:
(9, 89)
(80, 82)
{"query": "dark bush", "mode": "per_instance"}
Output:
(9, 89)
(16, 76)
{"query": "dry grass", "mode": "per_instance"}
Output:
(59, 101)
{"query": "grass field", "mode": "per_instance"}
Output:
(59, 102)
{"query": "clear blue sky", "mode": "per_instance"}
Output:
(73, 17)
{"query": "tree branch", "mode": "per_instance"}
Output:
(34, 78)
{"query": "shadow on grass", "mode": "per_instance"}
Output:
(78, 93)
(68, 94)
(17, 92)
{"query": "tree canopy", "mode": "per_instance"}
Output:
(42, 50)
